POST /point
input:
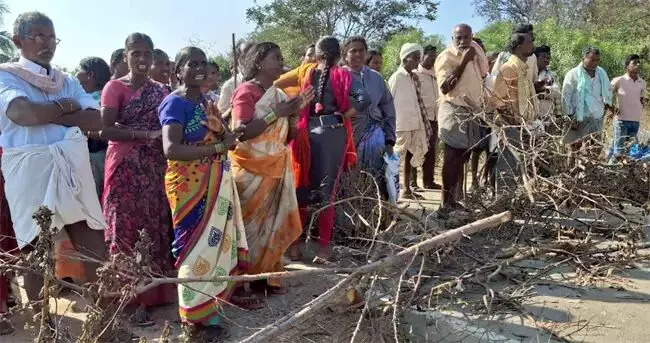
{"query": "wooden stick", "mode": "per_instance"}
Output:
(296, 317)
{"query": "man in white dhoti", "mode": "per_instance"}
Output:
(43, 117)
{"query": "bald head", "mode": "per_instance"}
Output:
(462, 36)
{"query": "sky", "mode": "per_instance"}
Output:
(97, 28)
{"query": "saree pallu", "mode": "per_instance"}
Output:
(210, 238)
(262, 167)
(370, 149)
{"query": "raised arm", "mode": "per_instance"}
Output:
(451, 73)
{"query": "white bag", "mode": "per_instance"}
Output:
(391, 173)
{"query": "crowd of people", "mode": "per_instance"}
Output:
(221, 182)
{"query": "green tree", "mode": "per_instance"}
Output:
(394, 45)
(7, 47)
(569, 13)
(567, 47)
(296, 23)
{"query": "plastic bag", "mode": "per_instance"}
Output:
(391, 174)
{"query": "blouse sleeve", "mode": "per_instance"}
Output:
(243, 103)
(112, 94)
(172, 111)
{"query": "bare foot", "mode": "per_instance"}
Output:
(6, 328)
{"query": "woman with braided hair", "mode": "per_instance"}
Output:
(323, 146)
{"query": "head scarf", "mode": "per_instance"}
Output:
(408, 49)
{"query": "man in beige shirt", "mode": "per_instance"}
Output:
(460, 81)
(412, 125)
(429, 92)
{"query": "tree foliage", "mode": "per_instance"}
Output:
(568, 13)
(566, 47)
(295, 23)
(7, 47)
(394, 45)
(224, 63)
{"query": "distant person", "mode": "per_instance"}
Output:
(483, 144)
(429, 92)
(161, 68)
(413, 127)
(228, 87)
(586, 93)
(375, 60)
(631, 92)
(550, 98)
(118, 65)
(212, 82)
(310, 54)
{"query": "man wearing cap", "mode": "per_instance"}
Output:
(413, 127)
(459, 76)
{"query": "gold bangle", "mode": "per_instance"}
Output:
(270, 118)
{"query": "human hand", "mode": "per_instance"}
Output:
(213, 121)
(350, 113)
(287, 108)
(70, 105)
(230, 138)
(469, 55)
(388, 149)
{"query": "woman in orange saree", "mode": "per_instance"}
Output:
(262, 163)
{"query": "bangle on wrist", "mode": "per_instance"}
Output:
(58, 103)
(270, 118)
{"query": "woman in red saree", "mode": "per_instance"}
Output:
(134, 196)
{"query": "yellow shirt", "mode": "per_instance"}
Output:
(469, 88)
(514, 89)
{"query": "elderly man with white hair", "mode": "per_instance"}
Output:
(413, 127)
(459, 71)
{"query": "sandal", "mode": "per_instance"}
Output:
(277, 290)
(141, 318)
(248, 302)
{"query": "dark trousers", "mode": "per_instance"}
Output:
(429, 165)
(453, 172)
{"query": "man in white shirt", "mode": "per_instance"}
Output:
(413, 128)
(228, 87)
(45, 160)
(429, 87)
(586, 94)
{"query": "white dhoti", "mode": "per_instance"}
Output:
(415, 142)
(58, 176)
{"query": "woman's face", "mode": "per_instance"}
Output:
(212, 78)
(160, 69)
(139, 57)
(376, 63)
(355, 55)
(87, 80)
(273, 64)
(194, 71)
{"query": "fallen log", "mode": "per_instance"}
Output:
(298, 316)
